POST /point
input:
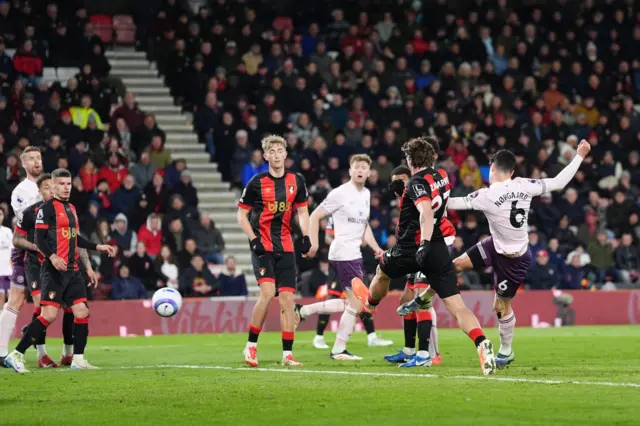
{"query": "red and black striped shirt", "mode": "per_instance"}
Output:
(58, 231)
(26, 227)
(272, 202)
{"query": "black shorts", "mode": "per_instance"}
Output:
(438, 273)
(61, 288)
(32, 273)
(276, 268)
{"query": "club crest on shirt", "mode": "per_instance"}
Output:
(34, 284)
(292, 189)
(262, 271)
(20, 200)
(52, 295)
(20, 279)
(419, 189)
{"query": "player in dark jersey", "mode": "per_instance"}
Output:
(421, 248)
(58, 239)
(265, 214)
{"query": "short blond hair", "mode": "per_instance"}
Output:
(360, 157)
(29, 149)
(271, 140)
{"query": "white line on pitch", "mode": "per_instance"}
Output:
(374, 374)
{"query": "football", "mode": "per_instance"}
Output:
(166, 302)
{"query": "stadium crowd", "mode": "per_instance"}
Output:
(337, 78)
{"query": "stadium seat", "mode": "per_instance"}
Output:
(104, 27)
(282, 22)
(125, 29)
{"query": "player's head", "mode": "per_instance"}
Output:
(45, 186)
(419, 153)
(61, 184)
(399, 178)
(32, 161)
(275, 151)
(360, 168)
(503, 163)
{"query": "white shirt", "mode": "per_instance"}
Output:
(6, 237)
(506, 205)
(24, 195)
(349, 210)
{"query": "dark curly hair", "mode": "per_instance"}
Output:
(420, 151)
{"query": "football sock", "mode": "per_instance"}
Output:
(345, 328)
(332, 306)
(367, 321)
(67, 329)
(372, 302)
(477, 335)
(323, 321)
(254, 333)
(424, 332)
(506, 327)
(433, 342)
(80, 335)
(40, 347)
(287, 342)
(410, 327)
(36, 312)
(8, 319)
(37, 327)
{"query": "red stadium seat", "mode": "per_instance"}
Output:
(282, 22)
(105, 34)
(104, 27)
(125, 29)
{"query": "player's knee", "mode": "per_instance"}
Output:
(267, 293)
(81, 311)
(36, 299)
(49, 315)
(16, 299)
(286, 298)
(502, 307)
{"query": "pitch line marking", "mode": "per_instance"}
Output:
(373, 374)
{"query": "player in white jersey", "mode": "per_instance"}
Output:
(506, 205)
(348, 205)
(24, 195)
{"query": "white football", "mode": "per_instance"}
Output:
(166, 302)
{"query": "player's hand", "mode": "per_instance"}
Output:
(106, 249)
(257, 247)
(584, 148)
(378, 253)
(59, 263)
(422, 253)
(93, 278)
(311, 253)
(305, 244)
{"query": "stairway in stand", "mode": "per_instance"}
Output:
(217, 199)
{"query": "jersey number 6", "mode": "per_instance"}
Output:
(518, 216)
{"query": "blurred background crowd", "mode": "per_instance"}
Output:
(336, 78)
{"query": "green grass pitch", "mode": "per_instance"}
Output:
(577, 376)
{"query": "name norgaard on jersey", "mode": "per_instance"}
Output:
(509, 196)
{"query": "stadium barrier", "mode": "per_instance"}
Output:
(231, 315)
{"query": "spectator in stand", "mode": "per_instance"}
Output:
(547, 214)
(627, 260)
(173, 171)
(142, 135)
(571, 207)
(241, 156)
(83, 113)
(167, 269)
(232, 281)
(209, 239)
(51, 154)
(27, 64)
(79, 197)
(151, 235)
(535, 245)
(68, 131)
(141, 267)
(587, 233)
(126, 197)
(113, 172)
(102, 195)
(125, 238)
(158, 155)
(176, 234)
(127, 287)
(143, 170)
(601, 253)
(205, 120)
(102, 235)
(185, 256)
(470, 168)
(130, 112)
(574, 274)
(157, 193)
(618, 212)
(186, 189)
(542, 276)
(197, 280)
(256, 166)
(122, 134)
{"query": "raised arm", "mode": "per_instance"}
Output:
(564, 177)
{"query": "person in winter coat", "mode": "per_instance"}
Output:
(197, 280)
(173, 171)
(542, 276)
(151, 235)
(157, 193)
(126, 287)
(125, 198)
(81, 114)
(141, 267)
(256, 166)
(89, 175)
(187, 190)
(158, 155)
(209, 239)
(114, 172)
(102, 195)
(232, 281)
(126, 238)
(143, 170)
(130, 112)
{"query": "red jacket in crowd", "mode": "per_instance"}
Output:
(115, 177)
(152, 240)
(26, 64)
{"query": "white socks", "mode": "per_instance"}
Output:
(8, 319)
(67, 350)
(286, 354)
(433, 340)
(42, 350)
(77, 357)
(327, 307)
(409, 351)
(423, 354)
(506, 326)
(251, 345)
(347, 324)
